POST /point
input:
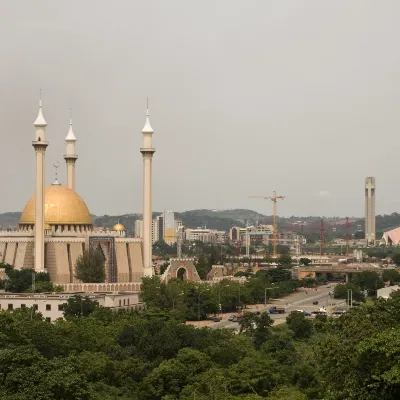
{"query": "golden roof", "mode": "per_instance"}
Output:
(119, 227)
(62, 206)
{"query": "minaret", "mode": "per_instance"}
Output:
(70, 156)
(147, 152)
(39, 144)
(370, 210)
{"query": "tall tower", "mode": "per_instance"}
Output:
(147, 152)
(370, 209)
(39, 144)
(70, 156)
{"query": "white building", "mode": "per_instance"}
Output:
(154, 230)
(51, 305)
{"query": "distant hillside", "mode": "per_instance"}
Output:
(225, 219)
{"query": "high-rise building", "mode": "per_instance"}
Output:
(169, 227)
(370, 210)
(154, 230)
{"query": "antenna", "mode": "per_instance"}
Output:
(40, 97)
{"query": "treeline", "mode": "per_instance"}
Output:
(195, 301)
(152, 355)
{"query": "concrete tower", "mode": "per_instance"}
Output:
(39, 144)
(147, 151)
(370, 209)
(70, 156)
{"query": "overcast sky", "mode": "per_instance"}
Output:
(245, 97)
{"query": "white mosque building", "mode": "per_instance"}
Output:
(56, 226)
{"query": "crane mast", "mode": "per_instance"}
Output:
(274, 199)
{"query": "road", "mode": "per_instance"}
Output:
(300, 300)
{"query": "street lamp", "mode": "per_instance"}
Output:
(174, 298)
(200, 293)
(350, 297)
(219, 296)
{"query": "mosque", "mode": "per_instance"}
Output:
(56, 226)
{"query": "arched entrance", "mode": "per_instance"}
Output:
(181, 274)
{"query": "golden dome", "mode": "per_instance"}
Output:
(62, 206)
(119, 227)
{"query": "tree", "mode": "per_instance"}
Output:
(301, 327)
(305, 261)
(89, 267)
(369, 281)
(341, 291)
(391, 275)
(78, 306)
(285, 260)
(282, 249)
(396, 258)
(256, 326)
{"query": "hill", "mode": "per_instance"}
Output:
(225, 219)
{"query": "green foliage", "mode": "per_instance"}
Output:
(341, 291)
(285, 260)
(20, 281)
(391, 275)
(396, 258)
(299, 324)
(305, 261)
(78, 306)
(89, 267)
(369, 281)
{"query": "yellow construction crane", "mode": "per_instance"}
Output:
(274, 199)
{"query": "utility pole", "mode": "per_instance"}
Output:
(347, 236)
(274, 199)
(247, 240)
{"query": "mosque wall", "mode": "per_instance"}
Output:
(75, 250)
(10, 253)
(57, 262)
(19, 262)
(136, 257)
(29, 260)
(2, 251)
(121, 254)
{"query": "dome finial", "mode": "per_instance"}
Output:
(70, 136)
(56, 182)
(40, 121)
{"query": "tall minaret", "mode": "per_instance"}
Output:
(39, 144)
(70, 156)
(147, 151)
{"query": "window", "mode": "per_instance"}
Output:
(35, 307)
(124, 301)
(10, 307)
(128, 302)
(61, 307)
(23, 306)
(120, 303)
(48, 307)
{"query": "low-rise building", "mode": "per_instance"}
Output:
(51, 305)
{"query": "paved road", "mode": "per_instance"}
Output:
(301, 300)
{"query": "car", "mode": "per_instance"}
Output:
(307, 314)
(217, 319)
(300, 311)
(231, 317)
(234, 319)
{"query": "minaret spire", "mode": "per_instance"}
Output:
(40, 145)
(70, 156)
(147, 152)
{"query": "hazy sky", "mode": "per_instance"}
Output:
(245, 97)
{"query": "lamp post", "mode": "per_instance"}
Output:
(350, 297)
(200, 293)
(174, 298)
(219, 296)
